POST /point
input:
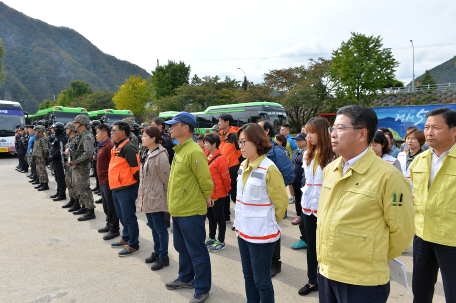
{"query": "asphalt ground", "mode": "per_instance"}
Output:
(46, 255)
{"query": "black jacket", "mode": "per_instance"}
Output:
(169, 146)
(56, 147)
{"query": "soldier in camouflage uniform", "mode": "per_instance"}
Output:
(73, 204)
(142, 149)
(81, 155)
(39, 157)
(132, 136)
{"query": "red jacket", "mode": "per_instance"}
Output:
(220, 175)
(229, 147)
(103, 158)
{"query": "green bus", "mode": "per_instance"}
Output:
(109, 116)
(242, 113)
(51, 115)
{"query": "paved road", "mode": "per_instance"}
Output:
(46, 255)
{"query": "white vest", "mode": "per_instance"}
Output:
(311, 191)
(255, 214)
(389, 158)
(402, 158)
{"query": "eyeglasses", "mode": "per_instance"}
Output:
(338, 130)
(115, 130)
(242, 142)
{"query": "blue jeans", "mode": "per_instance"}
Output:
(194, 263)
(157, 223)
(256, 265)
(125, 205)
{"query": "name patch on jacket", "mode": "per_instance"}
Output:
(257, 175)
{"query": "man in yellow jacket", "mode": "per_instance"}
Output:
(433, 175)
(365, 214)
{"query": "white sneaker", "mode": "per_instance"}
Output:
(291, 199)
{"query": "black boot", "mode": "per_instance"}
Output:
(69, 204)
(160, 264)
(39, 186)
(80, 211)
(96, 188)
(59, 198)
(54, 196)
(75, 207)
(36, 182)
(44, 187)
(98, 201)
(90, 214)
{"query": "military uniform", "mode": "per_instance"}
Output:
(39, 156)
(81, 156)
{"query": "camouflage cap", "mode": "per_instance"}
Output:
(82, 119)
(70, 125)
(144, 125)
(40, 128)
(130, 122)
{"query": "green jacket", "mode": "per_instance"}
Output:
(190, 181)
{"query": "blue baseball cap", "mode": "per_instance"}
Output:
(183, 117)
(301, 136)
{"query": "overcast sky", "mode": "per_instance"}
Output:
(217, 37)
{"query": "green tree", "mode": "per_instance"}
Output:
(394, 83)
(360, 67)
(2, 58)
(245, 84)
(427, 79)
(79, 88)
(64, 98)
(134, 94)
(165, 79)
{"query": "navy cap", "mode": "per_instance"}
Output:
(21, 128)
(17, 126)
(183, 117)
(301, 136)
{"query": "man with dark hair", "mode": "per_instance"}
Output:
(56, 158)
(283, 163)
(39, 157)
(365, 214)
(229, 148)
(434, 184)
(105, 145)
(160, 124)
(123, 176)
(285, 130)
(189, 195)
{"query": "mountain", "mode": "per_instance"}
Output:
(443, 73)
(41, 60)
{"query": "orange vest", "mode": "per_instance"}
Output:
(120, 173)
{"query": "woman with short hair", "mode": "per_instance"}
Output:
(415, 139)
(379, 145)
(261, 202)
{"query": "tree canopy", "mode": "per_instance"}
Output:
(134, 94)
(360, 67)
(427, 79)
(166, 78)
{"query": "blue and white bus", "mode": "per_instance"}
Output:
(11, 114)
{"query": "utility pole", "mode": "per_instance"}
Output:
(245, 77)
(413, 79)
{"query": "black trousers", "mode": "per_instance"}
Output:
(108, 208)
(310, 223)
(331, 291)
(59, 175)
(428, 257)
(21, 156)
(216, 216)
(276, 263)
(232, 194)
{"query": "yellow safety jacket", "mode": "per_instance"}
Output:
(435, 219)
(362, 223)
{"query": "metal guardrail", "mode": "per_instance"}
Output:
(409, 89)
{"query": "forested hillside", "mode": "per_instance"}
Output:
(41, 60)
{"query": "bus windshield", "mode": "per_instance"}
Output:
(64, 117)
(111, 118)
(8, 123)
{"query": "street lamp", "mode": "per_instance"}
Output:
(413, 79)
(245, 77)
